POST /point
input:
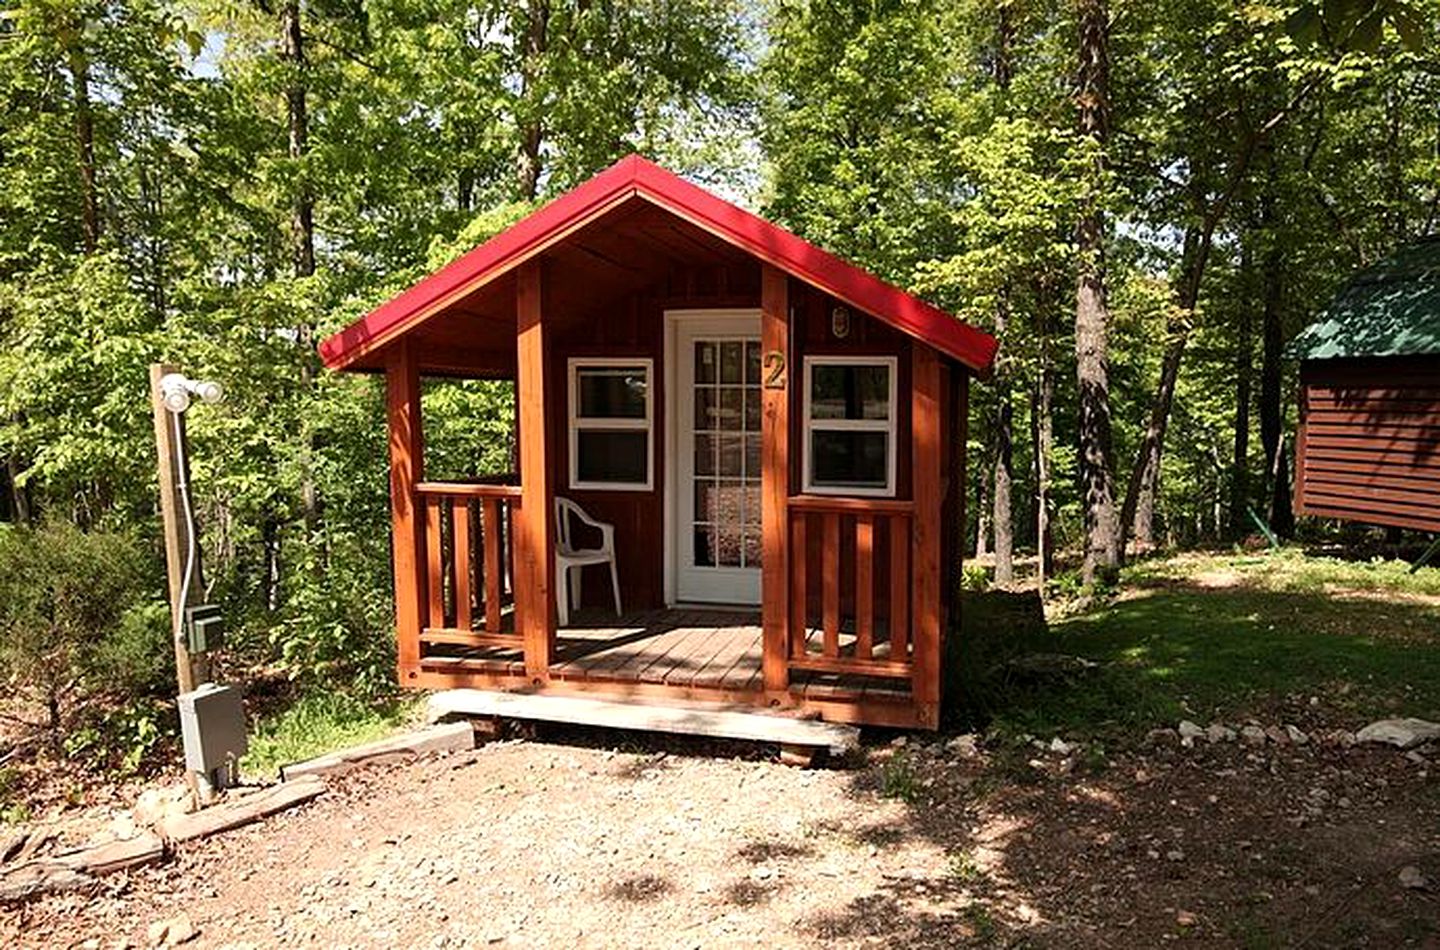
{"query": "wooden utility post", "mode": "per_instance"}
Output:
(190, 671)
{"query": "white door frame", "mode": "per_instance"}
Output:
(723, 322)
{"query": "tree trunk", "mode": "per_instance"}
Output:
(302, 233)
(1272, 411)
(79, 64)
(982, 512)
(1092, 315)
(302, 224)
(18, 496)
(1244, 367)
(532, 129)
(1002, 519)
(1042, 435)
(1138, 511)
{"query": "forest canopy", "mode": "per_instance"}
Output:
(1143, 200)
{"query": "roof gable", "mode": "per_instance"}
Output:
(635, 177)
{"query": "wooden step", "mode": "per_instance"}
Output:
(695, 720)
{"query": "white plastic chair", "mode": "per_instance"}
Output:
(568, 556)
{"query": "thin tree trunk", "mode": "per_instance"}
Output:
(1001, 496)
(982, 516)
(1140, 494)
(302, 224)
(1042, 435)
(79, 63)
(532, 129)
(302, 233)
(1244, 368)
(1092, 314)
(1272, 412)
(20, 509)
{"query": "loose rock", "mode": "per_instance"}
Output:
(1218, 732)
(1401, 733)
(1412, 879)
(1189, 732)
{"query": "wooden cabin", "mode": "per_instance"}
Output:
(1368, 447)
(775, 437)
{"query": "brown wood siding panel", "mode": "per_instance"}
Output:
(1369, 442)
(1410, 415)
(1370, 516)
(632, 327)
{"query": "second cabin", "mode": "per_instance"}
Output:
(739, 473)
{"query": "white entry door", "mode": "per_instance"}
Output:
(715, 405)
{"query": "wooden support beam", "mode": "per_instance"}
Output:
(925, 531)
(830, 582)
(899, 588)
(434, 563)
(864, 586)
(190, 670)
(799, 604)
(534, 525)
(460, 531)
(494, 569)
(775, 479)
(407, 468)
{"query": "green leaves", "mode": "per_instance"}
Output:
(1358, 25)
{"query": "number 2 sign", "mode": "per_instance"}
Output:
(774, 370)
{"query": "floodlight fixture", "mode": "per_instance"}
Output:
(176, 391)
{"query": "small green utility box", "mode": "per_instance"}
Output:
(204, 628)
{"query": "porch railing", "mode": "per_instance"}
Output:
(850, 571)
(469, 553)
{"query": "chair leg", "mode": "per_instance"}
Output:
(615, 582)
(562, 595)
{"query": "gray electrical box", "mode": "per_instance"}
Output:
(204, 628)
(212, 723)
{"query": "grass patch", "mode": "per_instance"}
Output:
(898, 779)
(1214, 637)
(318, 723)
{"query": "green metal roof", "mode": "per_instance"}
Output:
(1391, 308)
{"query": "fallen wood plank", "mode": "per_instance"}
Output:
(685, 720)
(79, 868)
(115, 855)
(242, 810)
(43, 876)
(449, 737)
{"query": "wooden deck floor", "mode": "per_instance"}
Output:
(686, 648)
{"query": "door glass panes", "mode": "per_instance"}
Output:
(726, 467)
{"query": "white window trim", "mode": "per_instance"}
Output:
(576, 423)
(890, 426)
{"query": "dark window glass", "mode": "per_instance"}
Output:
(618, 455)
(611, 393)
(848, 459)
(850, 392)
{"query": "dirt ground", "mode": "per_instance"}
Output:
(558, 841)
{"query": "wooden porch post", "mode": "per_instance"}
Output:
(407, 468)
(533, 521)
(925, 533)
(775, 483)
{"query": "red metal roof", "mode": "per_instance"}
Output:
(635, 177)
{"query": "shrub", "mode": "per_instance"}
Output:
(76, 621)
(996, 628)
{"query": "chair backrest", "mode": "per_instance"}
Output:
(564, 509)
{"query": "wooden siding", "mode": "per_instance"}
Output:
(1369, 443)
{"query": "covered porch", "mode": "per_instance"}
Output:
(656, 337)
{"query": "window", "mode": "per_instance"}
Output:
(850, 425)
(611, 418)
